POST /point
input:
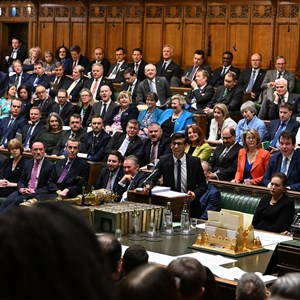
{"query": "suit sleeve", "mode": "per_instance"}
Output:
(236, 100)
(213, 203)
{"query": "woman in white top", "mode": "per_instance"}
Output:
(218, 123)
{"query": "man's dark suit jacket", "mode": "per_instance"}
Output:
(96, 110)
(117, 140)
(21, 55)
(293, 99)
(61, 144)
(88, 84)
(130, 113)
(210, 200)
(74, 95)
(67, 110)
(196, 181)
(105, 63)
(102, 180)
(96, 153)
(143, 154)
(19, 122)
(24, 78)
(45, 106)
(233, 99)
(141, 71)
(245, 78)
(4, 81)
(171, 73)
(63, 83)
(79, 167)
(125, 87)
(36, 132)
(136, 183)
(44, 81)
(82, 61)
(202, 98)
(188, 70)
(293, 174)
(217, 79)
(164, 92)
(226, 169)
(292, 126)
(120, 74)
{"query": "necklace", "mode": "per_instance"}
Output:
(174, 118)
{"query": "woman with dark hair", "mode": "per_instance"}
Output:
(24, 94)
(10, 94)
(149, 115)
(148, 282)
(252, 160)
(196, 145)
(85, 105)
(63, 55)
(11, 169)
(275, 212)
(49, 62)
(53, 130)
(121, 114)
(50, 252)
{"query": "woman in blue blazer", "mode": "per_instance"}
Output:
(176, 118)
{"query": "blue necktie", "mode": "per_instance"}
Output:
(284, 166)
(251, 82)
(275, 139)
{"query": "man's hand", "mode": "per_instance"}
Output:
(207, 110)
(191, 195)
(63, 193)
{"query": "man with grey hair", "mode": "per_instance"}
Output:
(250, 287)
(155, 84)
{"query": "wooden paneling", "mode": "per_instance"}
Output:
(113, 39)
(153, 42)
(173, 36)
(62, 36)
(133, 34)
(79, 35)
(46, 30)
(96, 37)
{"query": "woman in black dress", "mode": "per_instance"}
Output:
(275, 212)
(11, 168)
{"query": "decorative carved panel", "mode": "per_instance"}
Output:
(193, 12)
(133, 12)
(46, 11)
(3, 12)
(17, 12)
(78, 12)
(154, 12)
(28, 11)
(97, 12)
(262, 11)
(174, 12)
(217, 11)
(288, 11)
(115, 12)
(62, 12)
(239, 11)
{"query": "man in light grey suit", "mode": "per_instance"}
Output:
(105, 106)
(268, 84)
(155, 84)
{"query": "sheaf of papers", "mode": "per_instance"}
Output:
(270, 240)
(166, 192)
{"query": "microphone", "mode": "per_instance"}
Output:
(154, 172)
(83, 181)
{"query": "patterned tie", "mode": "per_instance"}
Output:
(279, 75)
(153, 151)
(251, 82)
(64, 172)
(33, 178)
(284, 166)
(277, 134)
(178, 183)
(225, 93)
(94, 88)
(108, 185)
(136, 69)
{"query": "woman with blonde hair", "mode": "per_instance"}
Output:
(220, 120)
(35, 54)
(85, 105)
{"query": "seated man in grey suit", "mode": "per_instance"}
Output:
(156, 84)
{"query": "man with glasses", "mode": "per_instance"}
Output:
(182, 172)
(225, 157)
(217, 78)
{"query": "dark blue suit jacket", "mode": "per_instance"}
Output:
(103, 178)
(217, 79)
(98, 152)
(3, 83)
(44, 81)
(37, 130)
(293, 174)
(210, 200)
(24, 78)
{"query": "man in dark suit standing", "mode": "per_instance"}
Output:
(138, 64)
(31, 130)
(126, 143)
(155, 84)
(20, 77)
(286, 161)
(168, 68)
(99, 59)
(251, 79)
(76, 132)
(225, 157)
(198, 64)
(12, 123)
(63, 181)
(182, 172)
(131, 83)
(284, 123)
(16, 53)
(94, 84)
(112, 173)
(34, 177)
(116, 71)
(64, 108)
(155, 146)
(105, 106)
(77, 58)
(201, 92)
(95, 141)
(217, 78)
